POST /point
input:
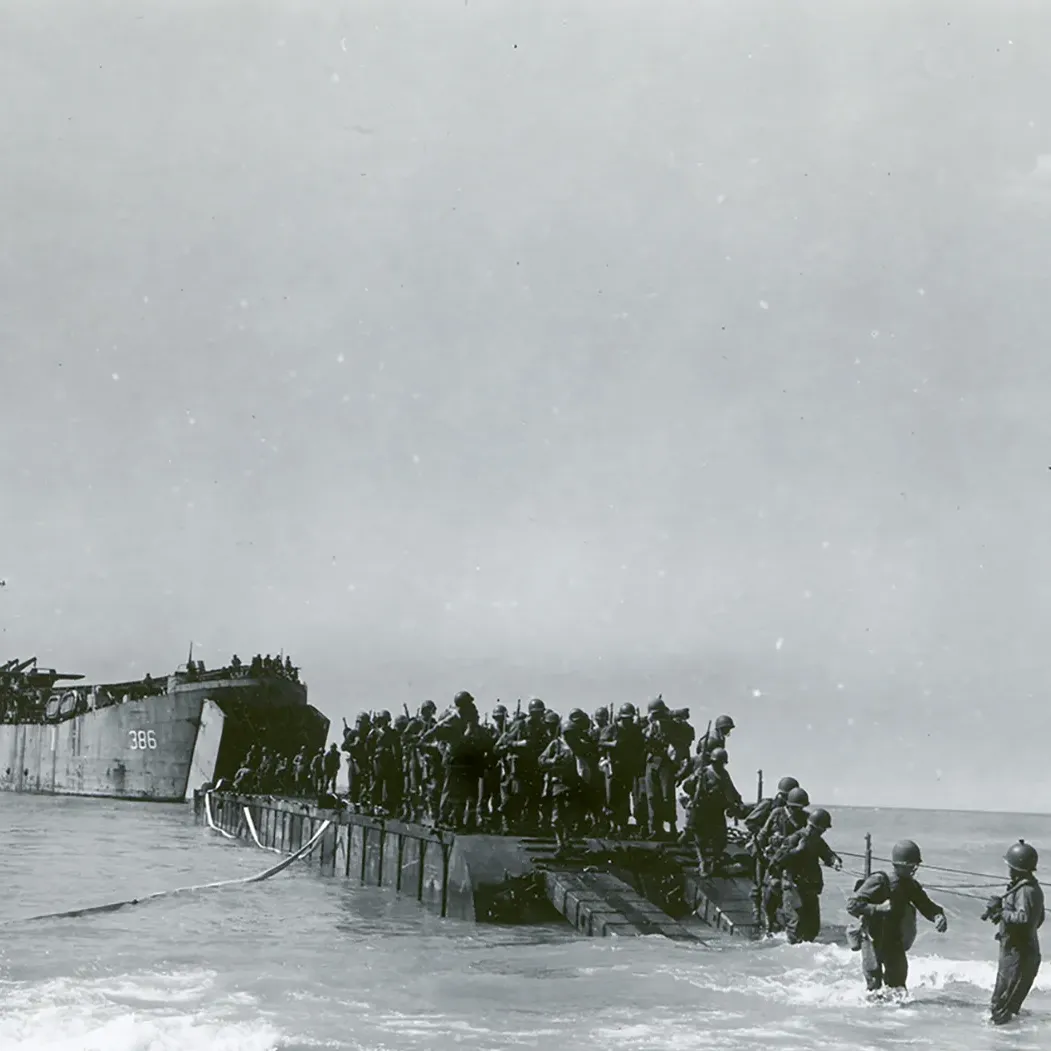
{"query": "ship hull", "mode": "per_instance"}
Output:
(160, 749)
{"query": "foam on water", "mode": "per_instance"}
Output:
(151, 1012)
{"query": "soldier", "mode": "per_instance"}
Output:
(758, 815)
(384, 746)
(561, 761)
(623, 749)
(264, 772)
(553, 728)
(492, 778)
(523, 743)
(682, 735)
(600, 720)
(467, 747)
(281, 776)
(1019, 914)
(660, 771)
(798, 861)
(716, 737)
(355, 744)
(579, 735)
(887, 906)
(711, 795)
(317, 773)
(331, 768)
(301, 772)
(781, 822)
(244, 781)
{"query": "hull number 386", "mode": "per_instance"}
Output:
(142, 739)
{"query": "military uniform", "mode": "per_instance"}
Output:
(1019, 915)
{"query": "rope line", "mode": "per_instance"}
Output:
(255, 835)
(211, 822)
(960, 888)
(257, 878)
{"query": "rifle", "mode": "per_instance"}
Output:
(518, 708)
(701, 786)
(406, 707)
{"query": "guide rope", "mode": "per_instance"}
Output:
(257, 878)
(961, 890)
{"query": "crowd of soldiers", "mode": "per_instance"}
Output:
(532, 773)
(619, 775)
(305, 774)
(260, 667)
(608, 774)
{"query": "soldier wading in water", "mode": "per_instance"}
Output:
(1018, 914)
(887, 905)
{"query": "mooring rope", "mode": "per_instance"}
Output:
(255, 835)
(258, 878)
(211, 822)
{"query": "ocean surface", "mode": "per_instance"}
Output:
(306, 961)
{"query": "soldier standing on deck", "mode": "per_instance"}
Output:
(711, 795)
(331, 768)
(467, 746)
(623, 748)
(492, 777)
(384, 747)
(887, 907)
(522, 744)
(1019, 914)
(317, 773)
(566, 762)
(660, 771)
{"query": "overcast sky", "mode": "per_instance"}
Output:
(579, 349)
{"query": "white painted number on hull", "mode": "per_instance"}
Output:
(142, 739)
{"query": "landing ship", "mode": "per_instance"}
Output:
(147, 739)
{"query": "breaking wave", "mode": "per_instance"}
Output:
(149, 1012)
(830, 976)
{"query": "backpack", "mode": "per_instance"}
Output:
(856, 930)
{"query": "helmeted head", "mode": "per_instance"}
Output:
(656, 708)
(718, 757)
(797, 797)
(820, 819)
(626, 712)
(401, 722)
(463, 700)
(428, 708)
(536, 707)
(383, 718)
(499, 714)
(552, 719)
(1022, 857)
(724, 724)
(601, 716)
(786, 784)
(905, 856)
(577, 721)
(681, 715)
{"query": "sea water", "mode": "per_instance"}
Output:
(307, 961)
